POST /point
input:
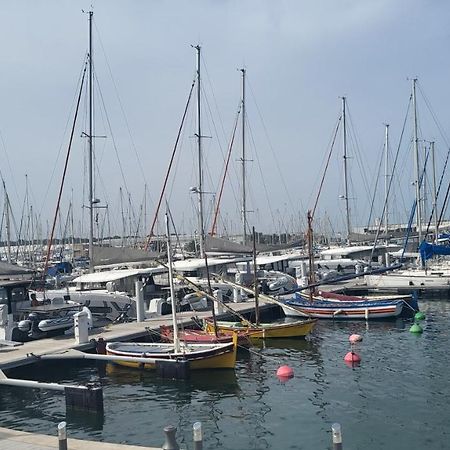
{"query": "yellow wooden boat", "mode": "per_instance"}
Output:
(200, 356)
(299, 328)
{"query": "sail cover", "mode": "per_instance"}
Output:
(428, 250)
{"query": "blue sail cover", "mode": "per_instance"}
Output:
(428, 250)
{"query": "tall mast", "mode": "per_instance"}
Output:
(416, 163)
(7, 225)
(91, 151)
(344, 144)
(244, 199)
(386, 181)
(200, 160)
(435, 213)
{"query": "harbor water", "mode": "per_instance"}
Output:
(397, 398)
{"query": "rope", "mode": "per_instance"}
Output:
(214, 225)
(170, 167)
(64, 175)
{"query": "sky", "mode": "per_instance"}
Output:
(301, 58)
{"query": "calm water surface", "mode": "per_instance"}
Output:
(398, 398)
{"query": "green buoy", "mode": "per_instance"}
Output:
(419, 316)
(416, 328)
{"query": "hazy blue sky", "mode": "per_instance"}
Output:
(301, 57)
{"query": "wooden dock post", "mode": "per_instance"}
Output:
(337, 436)
(87, 398)
(170, 443)
(62, 436)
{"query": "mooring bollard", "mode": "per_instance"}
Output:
(62, 436)
(170, 443)
(337, 436)
(198, 436)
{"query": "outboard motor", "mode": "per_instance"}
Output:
(24, 326)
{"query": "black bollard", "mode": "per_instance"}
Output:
(170, 443)
(100, 346)
(179, 370)
(62, 436)
(87, 398)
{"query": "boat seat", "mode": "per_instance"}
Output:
(57, 301)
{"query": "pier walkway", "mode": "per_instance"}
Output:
(21, 440)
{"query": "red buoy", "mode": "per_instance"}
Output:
(352, 357)
(285, 372)
(355, 338)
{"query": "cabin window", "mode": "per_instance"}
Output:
(3, 296)
(19, 294)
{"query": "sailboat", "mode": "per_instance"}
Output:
(428, 277)
(199, 355)
(258, 330)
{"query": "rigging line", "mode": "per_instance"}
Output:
(444, 205)
(112, 136)
(375, 188)
(64, 174)
(391, 182)
(354, 137)
(261, 173)
(140, 165)
(224, 136)
(50, 179)
(326, 166)
(441, 180)
(213, 227)
(174, 228)
(20, 226)
(205, 154)
(271, 148)
(436, 121)
(170, 166)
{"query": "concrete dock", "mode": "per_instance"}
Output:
(21, 440)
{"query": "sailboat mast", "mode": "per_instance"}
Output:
(172, 290)
(255, 278)
(345, 157)
(91, 151)
(7, 225)
(416, 163)
(244, 199)
(386, 181)
(200, 160)
(435, 213)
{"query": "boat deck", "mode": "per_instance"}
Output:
(29, 352)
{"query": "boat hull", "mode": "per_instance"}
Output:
(266, 331)
(331, 309)
(200, 356)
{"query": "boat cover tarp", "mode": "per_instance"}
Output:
(427, 250)
(214, 244)
(8, 270)
(117, 255)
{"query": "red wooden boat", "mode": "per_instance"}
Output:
(202, 336)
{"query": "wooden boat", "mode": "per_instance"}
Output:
(299, 328)
(200, 356)
(203, 336)
(332, 309)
